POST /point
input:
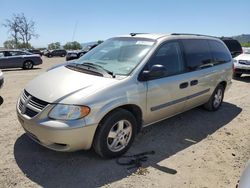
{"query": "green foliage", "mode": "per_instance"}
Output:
(244, 38)
(245, 44)
(72, 46)
(54, 46)
(11, 44)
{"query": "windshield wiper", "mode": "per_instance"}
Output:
(100, 67)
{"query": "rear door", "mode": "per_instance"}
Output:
(200, 70)
(7, 60)
(166, 96)
(17, 58)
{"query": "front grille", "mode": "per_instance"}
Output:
(30, 105)
(244, 62)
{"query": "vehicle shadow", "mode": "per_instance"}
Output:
(243, 78)
(20, 69)
(1, 100)
(85, 169)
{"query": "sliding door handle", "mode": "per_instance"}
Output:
(183, 85)
(194, 82)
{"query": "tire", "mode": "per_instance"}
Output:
(115, 134)
(28, 65)
(49, 56)
(237, 75)
(216, 99)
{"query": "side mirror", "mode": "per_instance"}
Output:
(156, 71)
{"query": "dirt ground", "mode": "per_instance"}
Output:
(194, 149)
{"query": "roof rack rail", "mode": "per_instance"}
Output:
(134, 34)
(193, 34)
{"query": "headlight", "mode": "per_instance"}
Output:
(235, 61)
(68, 112)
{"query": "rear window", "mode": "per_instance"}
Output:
(219, 52)
(233, 45)
(197, 53)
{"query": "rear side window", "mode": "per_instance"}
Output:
(197, 53)
(219, 51)
(17, 53)
(170, 56)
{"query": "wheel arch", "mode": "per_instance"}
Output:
(133, 109)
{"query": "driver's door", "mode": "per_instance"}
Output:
(166, 96)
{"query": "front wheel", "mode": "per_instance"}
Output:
(115, 134)
(28, 65)
(216, 99)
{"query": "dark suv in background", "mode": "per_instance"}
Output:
(77, 54)
(56, 53)
(233, 46)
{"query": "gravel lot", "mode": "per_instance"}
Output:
(194, 149)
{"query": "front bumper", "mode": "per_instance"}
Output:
(242, 69)
(59, 139)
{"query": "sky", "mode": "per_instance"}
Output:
(85, 21)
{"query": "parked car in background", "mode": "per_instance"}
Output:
(242, 64)
(33, 51)
(71, 55)
(1, 79)
(18, 59)
(77, 54)
(233, 45)
(104, 98)
(55, 53)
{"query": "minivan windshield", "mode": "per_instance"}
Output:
(118, 55)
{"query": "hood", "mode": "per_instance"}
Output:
(55, 85)
(243, 57)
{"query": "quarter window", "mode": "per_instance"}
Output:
(220, 54)
(170, 56)
(197, 53)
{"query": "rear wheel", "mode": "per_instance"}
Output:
(115, 134)
(28, 65)
(216, 99)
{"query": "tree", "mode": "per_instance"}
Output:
(13, 30)
(54, 45)
(26, 29)
(72, 46)
(11, 44)
(20, 28)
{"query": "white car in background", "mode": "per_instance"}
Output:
(242, 63)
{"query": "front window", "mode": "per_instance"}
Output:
(118, 55)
